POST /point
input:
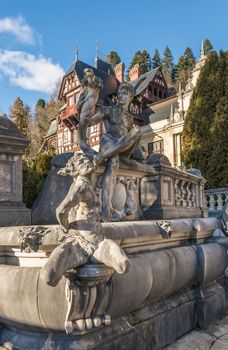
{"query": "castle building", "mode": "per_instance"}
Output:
(62, 134)
(163, 132)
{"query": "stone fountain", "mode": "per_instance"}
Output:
(120, 253)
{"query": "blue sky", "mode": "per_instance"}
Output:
(38, 38)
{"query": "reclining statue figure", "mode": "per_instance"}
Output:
(83, 236)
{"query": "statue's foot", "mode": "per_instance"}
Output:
(112, 255)
(105, 215)
(117, 215)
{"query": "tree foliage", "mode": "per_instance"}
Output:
(206, 126)
(143, 59)
(156, 60)
(207, 46)
(168, 66)
(113, 58)
(35, 172)
(185, 66)
(21, 116)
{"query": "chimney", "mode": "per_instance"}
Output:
(119, 71)
(134, 72)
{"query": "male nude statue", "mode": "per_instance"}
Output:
(120, 138)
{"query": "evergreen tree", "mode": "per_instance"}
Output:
(21, 116)
(206, 128)
(189, 58)
(52, 108)
(207, 46)
(185, 66)
(156, 60)
(113, 58)
(168, 66)
(40, 127)
(143, 59)
(181, 71)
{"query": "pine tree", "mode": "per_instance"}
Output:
(205, 130)
(217, 174)
(21, 116)
(207, 46)
(143, 59)
(168, 66)
(40, 127)
(156, 60)
(185, 66)
(113, 58)
(181, 71)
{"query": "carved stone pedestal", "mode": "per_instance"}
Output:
(88, 293)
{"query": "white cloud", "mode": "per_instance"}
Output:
(18, 27)
(30, 72)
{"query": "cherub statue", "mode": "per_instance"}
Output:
(86, 106)
(83, 235)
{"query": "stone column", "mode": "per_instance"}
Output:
(12, 146)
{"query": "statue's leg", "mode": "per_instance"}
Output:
(108, 184)
(122, 145)
(112, 255)
(65, 257)
(82, 135)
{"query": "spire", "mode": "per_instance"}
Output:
(76, 52)
(202, 53)
(97, 49)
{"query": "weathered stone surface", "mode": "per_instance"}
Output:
(151, 191)
(213, 338)
(12, 146)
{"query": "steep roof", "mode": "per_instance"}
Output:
(52, 128)
(9, 129)
(143, 81)
(110, 83)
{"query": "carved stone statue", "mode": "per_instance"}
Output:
(119, 140)
(86, 106)
(83, 235)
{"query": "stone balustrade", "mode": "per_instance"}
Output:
(215, 200)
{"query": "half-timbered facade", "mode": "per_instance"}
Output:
(149, 87)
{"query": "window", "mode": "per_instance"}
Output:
(155, 92)
(70, 101)
(156, 147)
(75, 137)
(76, 98)
(60, 139)
(160, 94)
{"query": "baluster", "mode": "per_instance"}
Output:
(211, 202)
(219, 201)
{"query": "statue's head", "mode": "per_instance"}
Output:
(77, 165)
(90, 79)
(125, 93)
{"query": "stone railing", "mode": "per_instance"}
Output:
(215, 200)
